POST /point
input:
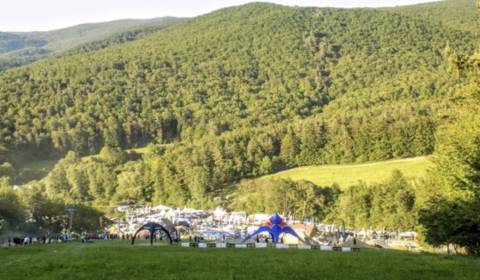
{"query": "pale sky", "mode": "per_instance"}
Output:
(39, 15)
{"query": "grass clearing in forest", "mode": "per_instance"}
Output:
(348, 174)
(120, 260)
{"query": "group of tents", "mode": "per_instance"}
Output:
(275, 227)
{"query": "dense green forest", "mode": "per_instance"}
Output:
(457, 14)
(451, 215)
(250, 90)
(225, 71)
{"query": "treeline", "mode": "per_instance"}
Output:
(29, 56)
(22, 48)
(391, 205)
(200, 174)
(451, 216)
(457, 14)
(118, 39)
(302, 199)
(30, 211)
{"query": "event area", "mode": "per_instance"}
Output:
(202, 226)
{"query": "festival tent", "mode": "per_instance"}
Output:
(275, 227)
(151, 228)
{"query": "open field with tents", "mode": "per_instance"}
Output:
(349, 174)
(120, 260)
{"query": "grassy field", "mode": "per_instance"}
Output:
(346, 175)
(119, 260)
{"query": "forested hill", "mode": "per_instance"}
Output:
(370, 81)
(216, 101)
(19, 48)
(456, 14)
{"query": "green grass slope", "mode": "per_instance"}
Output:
(119, 260)
(349, 174)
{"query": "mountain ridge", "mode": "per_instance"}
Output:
(19, 48)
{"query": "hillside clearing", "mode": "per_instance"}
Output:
(348, 174)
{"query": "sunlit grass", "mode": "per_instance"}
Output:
(120, 260)
(346, 175)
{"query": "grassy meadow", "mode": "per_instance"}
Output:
(348, 174)
(119, 260)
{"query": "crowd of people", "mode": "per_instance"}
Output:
(29, 240)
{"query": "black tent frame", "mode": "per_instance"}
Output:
(152, 228)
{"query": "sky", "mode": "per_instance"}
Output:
(40, 15)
